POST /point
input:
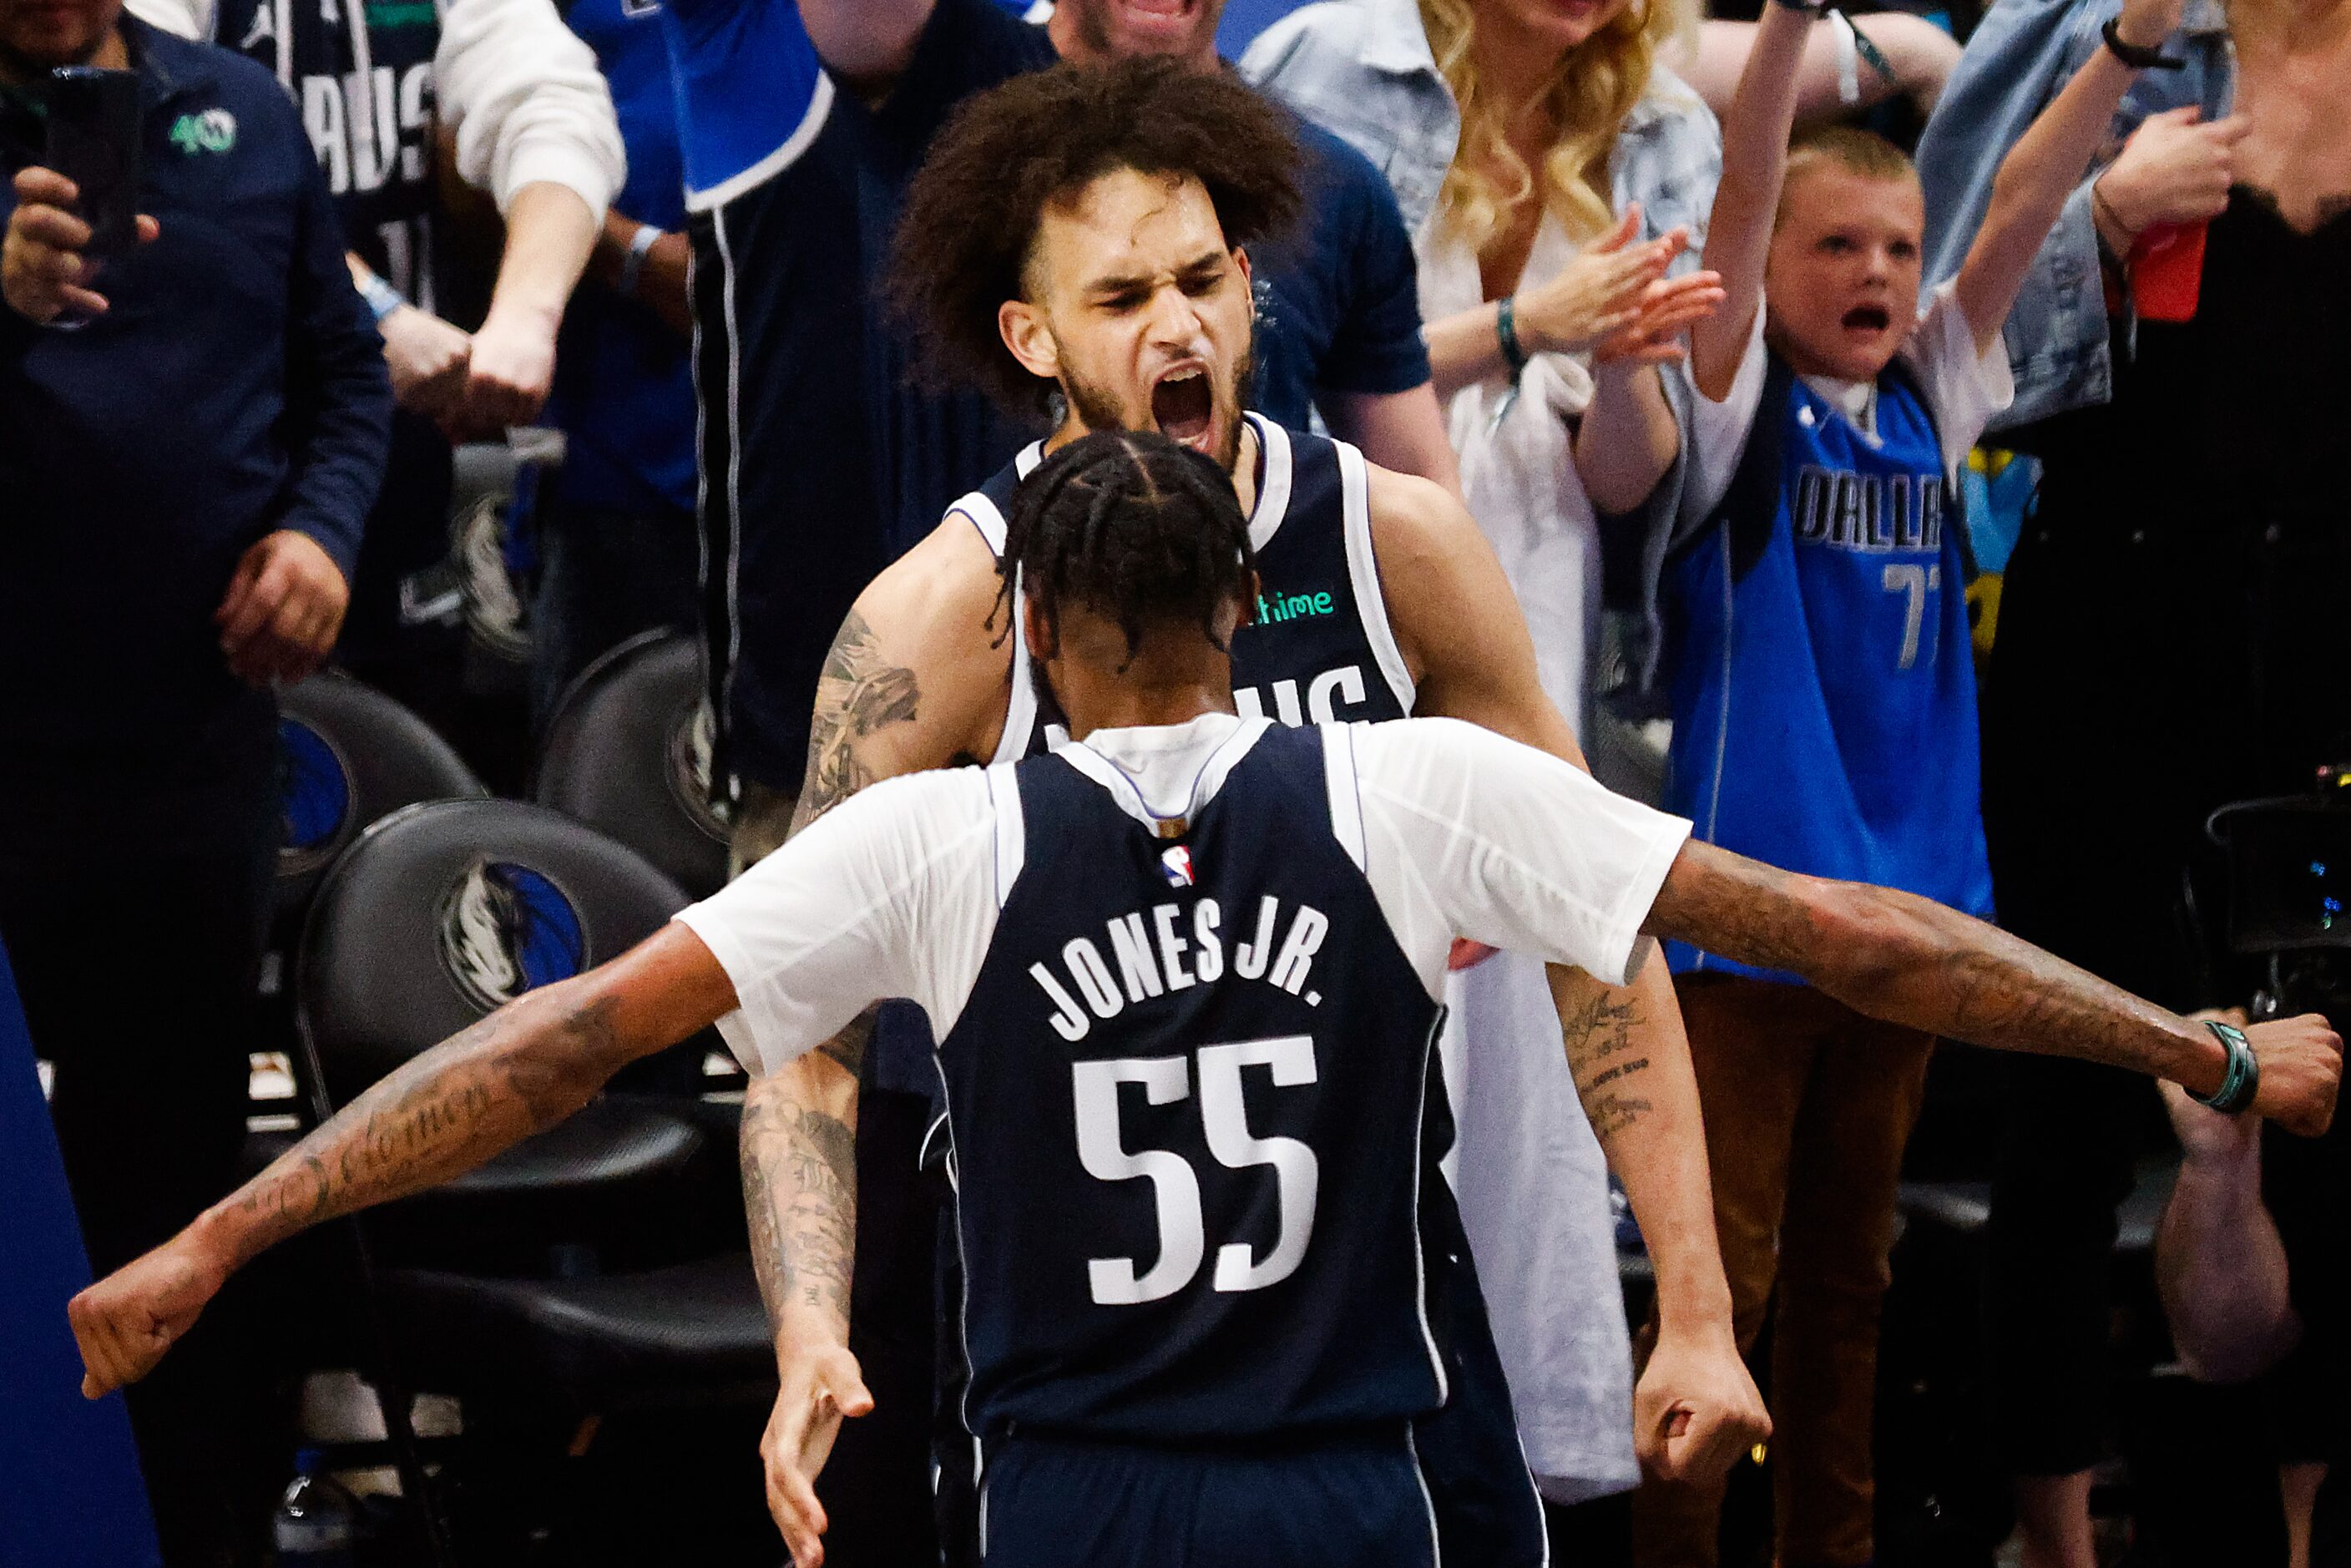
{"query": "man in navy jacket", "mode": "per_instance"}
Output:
(191, 436)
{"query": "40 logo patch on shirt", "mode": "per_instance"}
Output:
(213, 131)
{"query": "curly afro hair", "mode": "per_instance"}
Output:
(973, 209)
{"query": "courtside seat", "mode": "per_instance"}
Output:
(1963, 1208)
(687, 1336)
(595, 1268)
(628, 753)
(352, 755)
(441, 913)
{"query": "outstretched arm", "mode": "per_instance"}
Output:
(2042, 170)
(1754, 162)
(1908, 961)
(519, 1072)
(1695, 1409)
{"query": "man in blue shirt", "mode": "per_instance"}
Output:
(618, 549)
(191, 434)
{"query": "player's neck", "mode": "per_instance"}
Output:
(1129, 706)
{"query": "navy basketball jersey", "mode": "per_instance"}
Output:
(362, 75)
(1320, 650)
(1823, 689)
(1188, 1097)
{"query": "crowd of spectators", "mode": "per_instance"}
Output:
(1710, 400)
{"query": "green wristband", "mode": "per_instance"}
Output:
(2241, 1080)
(1506, 332)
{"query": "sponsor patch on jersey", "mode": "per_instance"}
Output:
(1274, 608)
(316, 799)
(1175, 865)
(506, 929)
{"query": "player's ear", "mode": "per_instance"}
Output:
(1038, 632)
(1030, 340)
(1241, 260)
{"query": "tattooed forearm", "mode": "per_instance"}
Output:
(1910, 961)
(799, 1190)
(1612, 1113)
(1599, 1029)
(519, 1072)
(860, 692)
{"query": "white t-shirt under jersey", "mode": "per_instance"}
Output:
(1962, 388)
(1459, 831)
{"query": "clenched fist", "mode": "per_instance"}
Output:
(126, 1320)
(2302, 1066)
(1695, 1409)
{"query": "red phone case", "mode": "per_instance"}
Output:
(2167, 272)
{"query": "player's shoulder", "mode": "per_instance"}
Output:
(1414, 519)
(942, 594)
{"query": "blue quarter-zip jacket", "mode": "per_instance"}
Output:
(236, 386)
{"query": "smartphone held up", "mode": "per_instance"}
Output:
(93, 141)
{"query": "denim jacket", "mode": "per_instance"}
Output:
(1363, 70)
(2059, 343)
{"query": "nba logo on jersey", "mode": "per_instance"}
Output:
(1177, 866)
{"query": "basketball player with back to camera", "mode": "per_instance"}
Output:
(1195, 1306)
(1115, 274)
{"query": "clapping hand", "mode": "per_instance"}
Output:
(1667, 309)
(1599, 292)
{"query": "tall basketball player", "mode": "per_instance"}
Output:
(1111, 270)
(1185, 976)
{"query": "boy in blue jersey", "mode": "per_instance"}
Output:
(1825, 710)
(1185, 976)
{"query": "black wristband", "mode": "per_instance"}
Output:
(2131, 55)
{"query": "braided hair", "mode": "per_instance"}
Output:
(1133, 526)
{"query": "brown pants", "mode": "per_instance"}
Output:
(1807, 1106)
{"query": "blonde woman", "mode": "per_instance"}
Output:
(1554, 174)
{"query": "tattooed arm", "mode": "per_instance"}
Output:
(914, 679)
(1696, 1409)
(799, 1189)
(1911, 961)
(519, 1072)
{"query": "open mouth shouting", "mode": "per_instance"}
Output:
(1183, 407)
(1867, 320)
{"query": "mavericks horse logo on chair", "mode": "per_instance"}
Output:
(506, 929)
